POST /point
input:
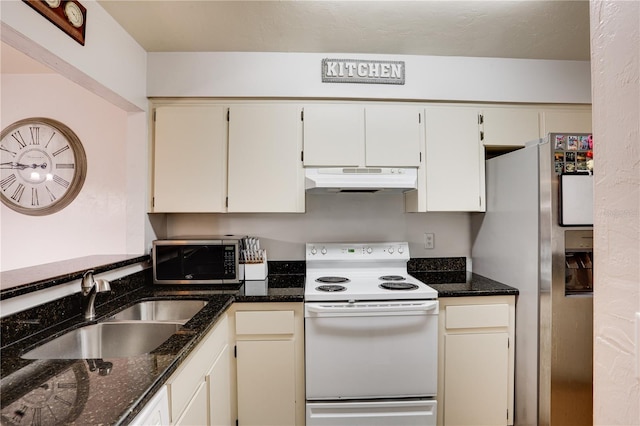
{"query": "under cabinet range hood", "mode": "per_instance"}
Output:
(360, 179)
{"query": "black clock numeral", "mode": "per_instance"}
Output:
(17, 194)
(18, 137)
(65, 166)
(64, 401)
(7, 182)
(61, 150)
(69, 385)
(2, 148)
(34, 197)
(51, 196)
(37, 416)
(50, 139)
(57, 179)
(35, 135)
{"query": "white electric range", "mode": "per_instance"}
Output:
(371, 333)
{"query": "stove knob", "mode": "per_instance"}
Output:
(313, 250)
(390, 250)
(400, 250)
(323, 251)
(369, 250)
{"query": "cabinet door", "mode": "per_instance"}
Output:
(454, 162)
(334, 135)
(510, 126)
(265, 168)
(266, 383)
(219, 390)
(190, 159)
(196, 411)
(393, 135)
(476, 379)
(566, 121)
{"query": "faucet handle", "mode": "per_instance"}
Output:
(87, 282)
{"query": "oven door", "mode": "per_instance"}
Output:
(377, 349)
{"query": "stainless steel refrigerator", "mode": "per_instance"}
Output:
(536, 235)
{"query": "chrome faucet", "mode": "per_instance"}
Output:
(91, 287)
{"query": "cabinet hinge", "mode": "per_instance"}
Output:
(302, 115)
(154, 115)
(228, 114)
(508, 340)
(302, 156)
(226, 202)
(480, 119)
(481, 136)
(235, 355)
(236, 422)
(421, 157)
(153, 201)
(419, 118)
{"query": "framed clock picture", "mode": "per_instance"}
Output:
(68, 15)
(43, 166)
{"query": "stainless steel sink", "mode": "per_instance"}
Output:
(106, 340)
(160, 310)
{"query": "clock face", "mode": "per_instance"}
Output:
(42, 166)
(74, 14)
(57, 401)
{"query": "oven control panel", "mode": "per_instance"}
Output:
(357, 251)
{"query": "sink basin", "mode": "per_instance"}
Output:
(160, 310)
(106, 340)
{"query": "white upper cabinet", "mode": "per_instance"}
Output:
(265, 168)
(190, 159)
(334, 135)
(393, 134)
(509, 126)
(362, 135)
(454, 160)
(566, 121)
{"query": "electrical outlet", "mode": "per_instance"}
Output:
(429, 240)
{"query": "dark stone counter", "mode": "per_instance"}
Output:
(73, 391)
(451, 279)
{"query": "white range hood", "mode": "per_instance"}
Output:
(360, 179)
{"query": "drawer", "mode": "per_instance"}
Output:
(264, 322)
(477, 316)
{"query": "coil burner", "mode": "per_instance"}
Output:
(332, 280)
(331, 288)
(392, 278)
(398, 286)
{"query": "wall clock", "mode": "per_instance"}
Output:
(42, 166)
(68, 15)
(57, 401)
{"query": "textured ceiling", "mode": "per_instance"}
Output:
(546, 29)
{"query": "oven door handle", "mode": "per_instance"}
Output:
(373, 308)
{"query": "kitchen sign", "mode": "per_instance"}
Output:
(362, 71)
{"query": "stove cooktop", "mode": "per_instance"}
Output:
(361, 271)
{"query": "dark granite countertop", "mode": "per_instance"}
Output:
(89, 397)
(26, 280)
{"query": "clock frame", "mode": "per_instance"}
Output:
(43, 166)
(58, 13)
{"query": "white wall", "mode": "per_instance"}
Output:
(109, 73)
(96, 221)
(615, 47)
(233, 74)
(110, 64)
(337, 217)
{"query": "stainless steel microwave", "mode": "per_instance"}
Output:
(197, 260)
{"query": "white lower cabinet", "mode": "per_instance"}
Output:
(476, 360)
(270, 364)
(200, 390)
